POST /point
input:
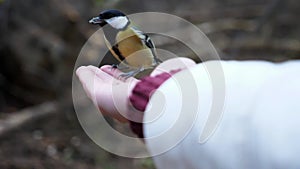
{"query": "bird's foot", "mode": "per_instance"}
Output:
(114, 66)
(132, 73)
(120, 67)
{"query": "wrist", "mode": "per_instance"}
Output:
(140, 97)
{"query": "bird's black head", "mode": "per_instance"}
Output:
(108, 14)
(114, 18)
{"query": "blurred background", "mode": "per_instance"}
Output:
(41, 39)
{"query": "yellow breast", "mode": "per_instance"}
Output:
(132, 48)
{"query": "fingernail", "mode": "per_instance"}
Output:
(80, 69)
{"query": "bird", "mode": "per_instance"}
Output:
(129, 45)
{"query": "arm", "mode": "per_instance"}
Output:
(259, 127)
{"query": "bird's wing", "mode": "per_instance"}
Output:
(146, 40)
(151, 45)
(114, 50)
(139, 33)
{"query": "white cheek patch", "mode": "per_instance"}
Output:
(118, 22)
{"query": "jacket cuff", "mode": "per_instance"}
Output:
(141, 94)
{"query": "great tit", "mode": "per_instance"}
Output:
(128, 45)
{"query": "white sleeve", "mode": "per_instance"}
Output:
(259, 126)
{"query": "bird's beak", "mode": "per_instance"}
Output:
(96, 20)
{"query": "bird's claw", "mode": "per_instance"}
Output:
(129, 74)
(120, 67)
(114, 66)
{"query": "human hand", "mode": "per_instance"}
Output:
(111, 95)
(107, 93)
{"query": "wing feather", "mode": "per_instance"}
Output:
(146, 40)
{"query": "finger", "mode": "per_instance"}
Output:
(173, 64)
(93, 68)
(89, 80)
(101, 74)
(111, 71)
(86, 73)
(81, 71)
